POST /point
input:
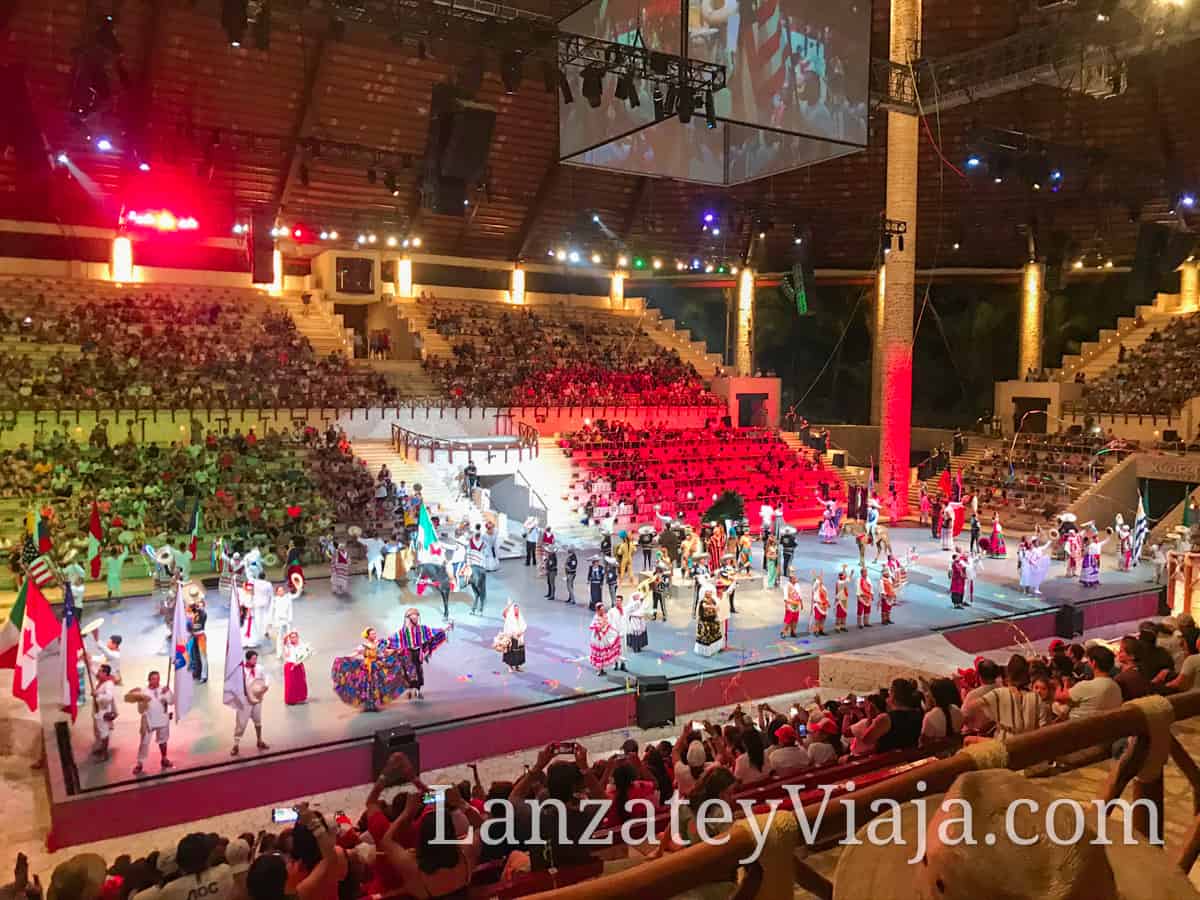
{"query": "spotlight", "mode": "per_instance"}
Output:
(733, 270)
(974, 162)
(560, 255)
(956, 245)
(1056, 175)
(362, 239)
(639, 263)
(333, 235)
(679, 266)
(564, 88)
(695, 263)
(709, 268)
(595, 219)
(716, 231)
(324, 235)
(466, 203)
(143, 167)
(103, 144)
(62, 159)
(1187, 200)
(762, 235)
(1108, 264)
(710, 110)
(708, 218)
(593, 85)
(595, 259)
(297, 233)
(573, 256)
(391, 241)
(1078, 264)
(687, 103)
(389, 182)
(233, 20)
(550, 252)
(370, 238)
(416, 242)
(999, 179)
(237, 229)
(1036, 186)
(657, 263)
(622, 260)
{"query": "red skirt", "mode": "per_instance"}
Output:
(864, 608)
(791, 617)
(295, 683)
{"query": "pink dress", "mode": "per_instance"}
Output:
(295, 679)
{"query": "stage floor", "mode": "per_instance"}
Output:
(466, 677)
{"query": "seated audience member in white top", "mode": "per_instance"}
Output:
(823, 744)
(750, 766)
(944, 717)
(688, 772)
(787, 756)
(1099, 693)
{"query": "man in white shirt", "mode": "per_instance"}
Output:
(104, 711)
(255, 682)
(375, 548)
(110, 653)
(1097, 694)
(786, 756)
(156, 721)
(195, 881)
(281, 616)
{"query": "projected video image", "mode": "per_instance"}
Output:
(794, 65)
(689, 152)
(580, 124)
(756, 153)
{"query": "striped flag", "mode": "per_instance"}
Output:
(767, 61)
(95, 540)
(72, 651)
(37, 566)
(195, 528)
(1141, 530)
(179, 657)
(428, 547)
(30, 629)
(38, 530)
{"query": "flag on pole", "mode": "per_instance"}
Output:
(1012, 472)
(38, 530)
(72, 649)
(871, 479)
(234, 692)
(179, 657)
(31, 627)
(428, 548)
(195, 528)
(37, 566)
(95, 540)
(1141, 530)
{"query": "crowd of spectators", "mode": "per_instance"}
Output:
(1043, 473)
(633, 471)
(268, 489)
(157, 350)
(1156, 378)
(506, 357)
(390, 847)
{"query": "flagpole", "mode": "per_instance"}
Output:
(171, 647)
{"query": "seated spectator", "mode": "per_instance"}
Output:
(864, 730)
(824, 743)
(692, 767)
(750, 765)
(943, 718)
(192, 863)
(1098, 694)
(1009, 710)
(788, 755)
(900, 728)
(441, 864)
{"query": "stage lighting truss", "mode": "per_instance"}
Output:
(633, 65)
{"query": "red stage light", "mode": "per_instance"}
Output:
(160, 220)
(297, 233)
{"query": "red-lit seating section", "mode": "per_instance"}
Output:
(502, 356)
(81, 345)
(631, 473)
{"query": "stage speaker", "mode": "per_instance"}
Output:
(1170, 436)
(655, 702)
(449, 196)
(401, 739)
(1068, 621)
(260, 247)
(465, 153)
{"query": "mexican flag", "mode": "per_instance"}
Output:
(195, 529)
(428, 548)
(31, 627)
(95, 540)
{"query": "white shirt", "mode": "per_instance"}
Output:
(822, 753)
(1188, 672)
(1096, 695)
(106, 700)
(254, 673)
(264, 593)
(787, 759)
(745, 771)
(933, 726)
(156, 715)
(112, 658)
(282, 614)
(684, 782)
(216, 883)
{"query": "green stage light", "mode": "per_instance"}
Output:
(639, 263)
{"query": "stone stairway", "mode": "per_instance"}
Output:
(1098, 356)
(438, 482)
(550, 473)
(977, 449)
(405, 375)
(317, 322)
(666, 333)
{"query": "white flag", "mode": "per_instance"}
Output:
(235, 683)
(179, 658)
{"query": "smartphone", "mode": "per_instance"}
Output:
(698, 726)
(802, 730)
(284, 815)
(565, 748)
(793, 712)
(433, 795)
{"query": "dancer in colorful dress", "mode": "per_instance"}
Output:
(841, 599)
(1036, 566)
(1089, 566)
(771, 558)
(710, 635)
(872, 518)
(996, 548)
(887, 595)
(339, 571)
(865, 596)
(292, 563)
(958, 580)
(604, 643)
(295, 678)
(372, 676)
(636, 638)
(820, 605)
(716, 547)
(510, 642)
(1125, 544)
(830, 521)
(924, 507)
(745, 546)
(418, 642)
(793, 605)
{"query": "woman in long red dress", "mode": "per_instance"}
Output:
(295, 678)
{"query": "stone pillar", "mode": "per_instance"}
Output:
(896, 333)
(877, 343)
(120, 269)
(516, 286)
(1189, 286)
(1033, 302)
(404, 278)
(616, 291)
(743, 335)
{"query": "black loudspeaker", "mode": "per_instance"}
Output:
(449, 197)
(1170, 436)
(655, 702)
(401, 739)
(260, 247)
(465, 152)
(1068, 621)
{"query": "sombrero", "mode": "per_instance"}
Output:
(646, 529)
(256, 690)
(193, 591)
(354, 531)
(788, 529)
(992, 863)
(271, 560)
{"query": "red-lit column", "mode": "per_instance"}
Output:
(894, 342)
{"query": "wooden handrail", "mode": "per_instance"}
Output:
(405, 439)
(703, 863)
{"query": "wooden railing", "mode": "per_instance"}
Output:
(410, 444)
(1147, 722)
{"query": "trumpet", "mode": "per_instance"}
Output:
(1054, 533)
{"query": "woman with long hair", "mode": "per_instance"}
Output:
(750, 766)
(658, 770)
(437, 867)
(943, 718)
